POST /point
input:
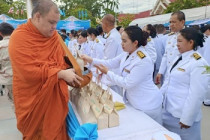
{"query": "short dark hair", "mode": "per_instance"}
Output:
(160, 28)
(74, 33)
(195, 35)
(205, 28)
(43, 7)
(180, 15)
(83, 33)
(6, 29)
(99, 29)
(63, 30)
(135, 33)
(118, 27)
(92, 31)
(1, 37)
(152, 30)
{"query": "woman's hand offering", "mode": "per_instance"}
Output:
(102, 68)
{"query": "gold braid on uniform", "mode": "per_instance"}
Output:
(141, 54)
(196, 56)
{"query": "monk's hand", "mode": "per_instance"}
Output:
(69, 76)
(183, 125)
(102, 68)
(86, 58)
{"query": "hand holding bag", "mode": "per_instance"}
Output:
(86, 75)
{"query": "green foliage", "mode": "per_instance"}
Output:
(207, 70)
(185, 4)
(126, 20)
(8, 1)
(5, 5)
(94, 8)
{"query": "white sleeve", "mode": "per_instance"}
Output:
(111, 48)
(136, 76)
(110, 63)
(150, 48)
(163, 64)
(100, 51)
(197, 92)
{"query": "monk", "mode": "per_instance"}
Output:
(40, 76)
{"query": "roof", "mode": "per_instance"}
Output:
(136, 16)
(198, 13)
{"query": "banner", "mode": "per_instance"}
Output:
(76, 25)
(14, 22)
(62, 24)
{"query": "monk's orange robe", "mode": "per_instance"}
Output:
(40, 97)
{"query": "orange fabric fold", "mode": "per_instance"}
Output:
(41, 99)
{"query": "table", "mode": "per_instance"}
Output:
(134, 124)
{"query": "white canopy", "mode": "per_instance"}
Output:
(190, 14)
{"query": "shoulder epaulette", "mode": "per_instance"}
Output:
(196, 56)
(171, 33)
(141, 54)
(149, 39)
(97, 40)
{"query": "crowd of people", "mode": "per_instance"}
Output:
(159, 73)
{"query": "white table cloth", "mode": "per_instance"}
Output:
(134, 124)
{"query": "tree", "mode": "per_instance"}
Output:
(8, 1)
(4, 7)
(18, 7)
(94, 8)
(185, 4)
(126, 20)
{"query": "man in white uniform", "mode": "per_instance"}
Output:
(159, 40)
(177, 22)
(112, 46)
(206, 47)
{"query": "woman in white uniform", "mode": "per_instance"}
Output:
(73, 45)
(185, 87)
(97, 47)
(136, 69)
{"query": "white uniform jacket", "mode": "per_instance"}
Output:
(185, 88)
(171, 52)
(113, 44)
(97, 49)
(206, 47)
(73, 47)
(150, 48)
(160, 49)
(86, 47)
(136, 78)
(102, 39)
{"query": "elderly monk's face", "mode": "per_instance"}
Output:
(47, 23)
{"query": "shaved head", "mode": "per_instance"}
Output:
(109, 19)
(44, 7)
(108, 22)
(45, 17)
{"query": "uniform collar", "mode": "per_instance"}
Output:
(187, 54)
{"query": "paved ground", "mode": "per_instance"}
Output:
(8, 130)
